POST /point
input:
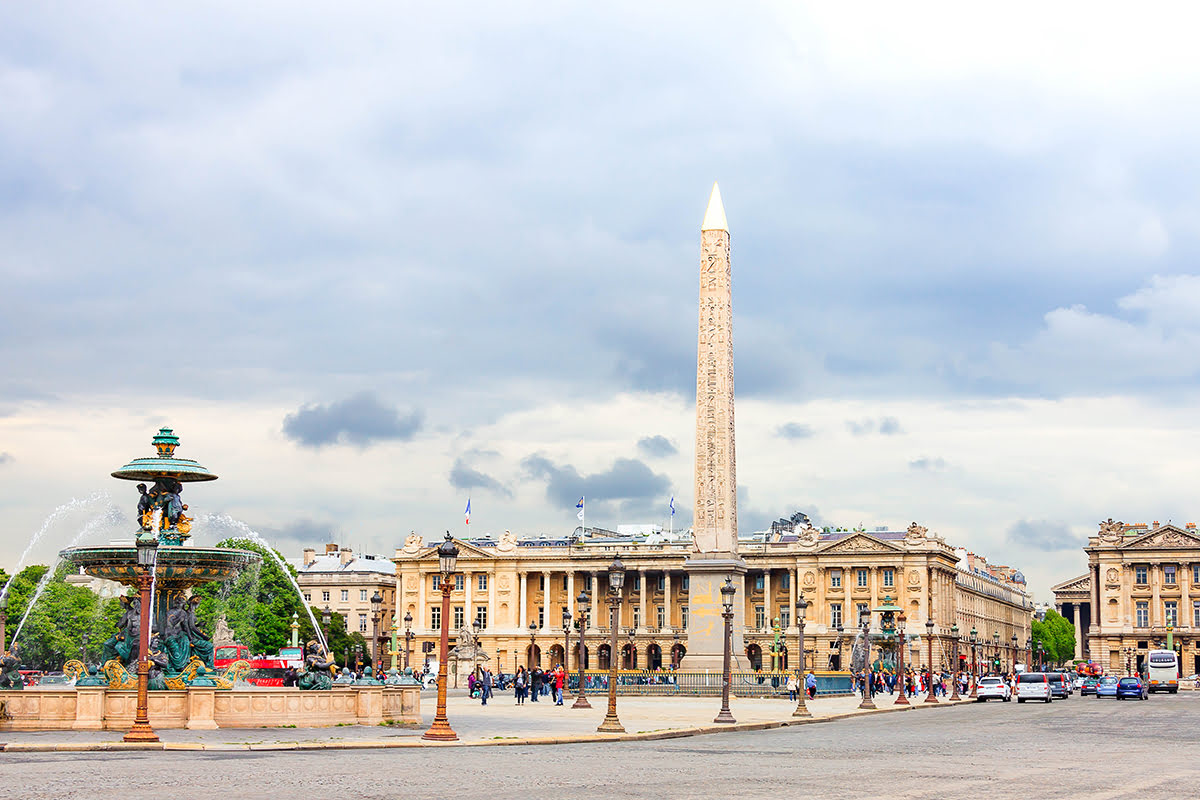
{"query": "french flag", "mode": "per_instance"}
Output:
(467, 513)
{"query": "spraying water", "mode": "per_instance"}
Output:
(242, 528)
(113, 517)
(74, 504)
(155, 522)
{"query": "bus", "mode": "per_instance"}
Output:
(266, 671)
(1162, 671)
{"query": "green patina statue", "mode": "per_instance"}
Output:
(316, 670)
(10, 670)
(123, 645)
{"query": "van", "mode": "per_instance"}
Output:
(1033, 686)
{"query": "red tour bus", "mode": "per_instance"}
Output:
(265, 671)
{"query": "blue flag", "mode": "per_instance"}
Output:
(672, 505)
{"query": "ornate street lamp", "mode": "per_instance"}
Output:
(147, 551)
(616, 579)
(801, 609)
(996, 642)
(901, 678)
(1041, 655)
(864, 622)
(974, 665)
(533, 627)
(930, 698)
(675, 652)
(727, 593)
(1014, 657)
(583, 603)
(477, 626)
(1029, 652)
(566, 626)
(440, 730)
(326, 618)
(408, 635)
(954, 671)
(376, 602)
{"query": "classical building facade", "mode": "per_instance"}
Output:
(1144, 580)
(519, 589)
(344, 582)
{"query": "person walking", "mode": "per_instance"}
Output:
(520, 685)
(793, 686)
(535, 683)
(810, 685)
(560, 677)
(485, 685)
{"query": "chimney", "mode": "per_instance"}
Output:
(331, 549)
(1156, 523)
(310, 555)
(346, 555)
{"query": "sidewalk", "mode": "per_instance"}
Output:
(500, 722)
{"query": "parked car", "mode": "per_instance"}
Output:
(1088, 686)
(992, 686)
(1136, 688)
(1033, 686)
(1106, 687)
(1060, 686)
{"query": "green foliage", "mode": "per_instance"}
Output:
(1057, 637)
(64, 618)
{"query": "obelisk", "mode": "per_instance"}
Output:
(714, 554)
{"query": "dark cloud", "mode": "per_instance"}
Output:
(5, 458)
(657, 447)
(889, 426)
(884, 426)
(1044, 535)
(928, 464)
(292, 536)
(360, 420)
(795, 431)
(628, 485)
(463, 476)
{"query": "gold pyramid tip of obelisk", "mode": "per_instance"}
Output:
(714, 217)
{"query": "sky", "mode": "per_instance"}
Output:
(372, 260)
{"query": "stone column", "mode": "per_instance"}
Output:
(793, 579)
(1156, 611)
(523, 602)
(422, 621)
(767, 597)
(468, 612)
(667, 598)
(571, 592)
(599, 603)
(547, 625)
(493, 606)
(1078, 634)
(643, 581)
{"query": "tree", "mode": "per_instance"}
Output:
(64, 618)
(1057, 637)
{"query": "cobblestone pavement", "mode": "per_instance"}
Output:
(1081, 747)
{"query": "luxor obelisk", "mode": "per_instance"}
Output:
(714, 555)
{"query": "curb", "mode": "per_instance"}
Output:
(589, 738)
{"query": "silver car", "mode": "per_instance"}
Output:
(992, 686)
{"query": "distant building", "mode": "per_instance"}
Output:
(344, 582)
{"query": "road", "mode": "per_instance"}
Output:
(1081, 747)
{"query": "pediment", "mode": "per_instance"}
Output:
(861, 543)
(1168, 536)
(465, 550)
(1081, 584)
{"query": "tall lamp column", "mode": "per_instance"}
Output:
(376, 602)
(974, 666)
(727, 593)
(901, 678)
(408, 636)
(147, 547)
(616, 579)
(801, 708)
(864, 621)
(533, 660)
(326, 618)
(440, 730)
(930, 698)
(583, 603)
(954, 670)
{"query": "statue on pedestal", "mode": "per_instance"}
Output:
(10, 670)
(316, 670)
(202, 648)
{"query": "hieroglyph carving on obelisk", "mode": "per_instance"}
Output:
(715, 525)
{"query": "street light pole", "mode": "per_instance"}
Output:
(326, 618)
(477, 626)
(727, 593)
(616, 579)
(147, 548)
(954, 670)
(376, 602)
(864, 621)
(440, 730)
(801, 708)
(583, 603)
(1013, 672)
(974, 664)
(930, 698)
(996, 642)
(532, 644)
(902, 700)
(566, 665)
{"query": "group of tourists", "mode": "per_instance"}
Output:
(810, 686)
(526, 684)
(912, 682)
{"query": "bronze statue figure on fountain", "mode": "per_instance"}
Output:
(10, 670)
(317, 673)
(202, 647)
(176, 642)
(123, 645)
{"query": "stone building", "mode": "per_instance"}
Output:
(344, 583)
(509, 583)
(1145, 582)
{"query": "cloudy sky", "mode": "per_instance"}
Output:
(372, 261)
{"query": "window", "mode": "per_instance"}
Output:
(862, 579)
(760, 617)
(835, 615)
(661, 616)
(683, 615)
(1196, 613)
(345, 595)
(541, 616)
(759, 583)
(435, 583)
(785, 580)
(308, 597)
(566, 582)
(1168, 573)
(835, 578)
(362, 595)
(1143, 614)
(859, 610)
(637, 617)
(1139, 574)
(889, 578)
(459, 617)
(459, 582)
(1171, 613)
(325, 596)
(435, 618)
(542, 582)
(481, 615)
(661, 583)
(785, 617)
(362, 623)
(637, 582)
(481, 583)
(687, 584)
(1195, 573)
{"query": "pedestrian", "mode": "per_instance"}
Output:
(485, 685)
(535, 683)
(793, 686)
(810, 685)
(471, 681)
(520, 685)
(560, 678)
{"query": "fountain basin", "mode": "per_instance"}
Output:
(177, 567)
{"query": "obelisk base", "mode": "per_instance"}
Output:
(705, 649)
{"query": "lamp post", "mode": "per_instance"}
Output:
(583, 604)
(954, 671)
(147, 550)
(408, 635)
(295, 626)
(616, 579)
(1041, 654)
(346, 657)
(376, 602)
(358, 658)
(82, 648)
(902, 700)
(3, 618)
(864, 622)
(727, 593)
(930, 698)
(326, 618)
(632, 634)
(476, 626)
(566, 625)
(996, 642)
(974, 665)
(801, 609)
(675, 652)
(532, 643)
(1013, 672)
(440, 730)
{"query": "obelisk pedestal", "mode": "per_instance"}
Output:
(714, 529)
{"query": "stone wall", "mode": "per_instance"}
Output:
(97, 708)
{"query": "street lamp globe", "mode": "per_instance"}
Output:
(974, 635)
(566, 620)
(801, 608)
(727, 593)
(616, 575)
(376, 602)
(447, 555)
(326, 616)
(533, 626)
(477, 625)
(407, 619)
(584, 602)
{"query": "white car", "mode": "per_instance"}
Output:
(992, 686)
